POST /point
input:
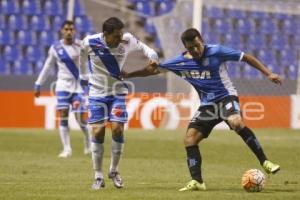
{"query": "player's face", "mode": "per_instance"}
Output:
(195, 47)
(68, 31)
(114, 39)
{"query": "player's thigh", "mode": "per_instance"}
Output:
(98, 130)
(230, 112)
(204, 120)
(117, 128)
(118, 112)
(192, 137)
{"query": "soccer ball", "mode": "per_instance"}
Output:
(253, 180)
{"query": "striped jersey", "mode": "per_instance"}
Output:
(66, 57)
(105, 64)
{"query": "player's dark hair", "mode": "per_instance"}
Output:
(112, 24)
(67, 22)
(189, 35)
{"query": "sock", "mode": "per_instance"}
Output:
(97, 158)
(117, 145)
(65, 137)
(87, 141)
(194, 162)
(250, 139)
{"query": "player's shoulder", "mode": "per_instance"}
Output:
(129, 38)
(214, 49)
(86, 39)
(176, 60)
(77, 42)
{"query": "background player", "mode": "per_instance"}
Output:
(106, 53)
(65, 53)
(202, 65)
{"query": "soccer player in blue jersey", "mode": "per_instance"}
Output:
(105, 54)
(65, 54)
(203, 66)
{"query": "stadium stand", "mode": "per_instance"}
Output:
(254, 32)
(27, 30)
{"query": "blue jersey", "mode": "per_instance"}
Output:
(208, 75)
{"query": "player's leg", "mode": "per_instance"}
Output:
(79, 109)
(98, 114)
(231, 112)
(199, 128)
(97, 148)
(117, 146)
(118, 116)
(63, 104)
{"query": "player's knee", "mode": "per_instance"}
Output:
(118, 131)
(236, 124)
(191, 138)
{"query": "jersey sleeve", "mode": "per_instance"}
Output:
(83, 72)
(229, 54)
(49, 63)
(135, 44)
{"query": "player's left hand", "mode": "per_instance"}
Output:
(275, 78)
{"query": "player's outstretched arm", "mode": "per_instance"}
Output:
(149, 70)
(251, 60)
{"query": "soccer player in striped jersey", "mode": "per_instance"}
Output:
(203, 66)
(105, 54)
(65, 54)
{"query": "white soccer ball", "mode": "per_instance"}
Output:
(253, 180)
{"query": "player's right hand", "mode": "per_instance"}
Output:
(275, 78)
(37, 90)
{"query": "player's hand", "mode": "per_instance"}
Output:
(123, 75)
(275, 78)
(37, 90)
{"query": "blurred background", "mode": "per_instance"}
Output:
(268, 29)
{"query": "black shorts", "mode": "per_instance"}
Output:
(207, 117)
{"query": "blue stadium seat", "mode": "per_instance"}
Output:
(78, 8)
(266, 55)
(236, 14)
(53, 7)
(47, 38)
(22, 67)
(4, 68)
(26, 38)
(245, 26)
(31, 7)
(39, 23)
(6, 37)
(292, 72)
(2, 22)
(149, 27)
(258, 15)
(34, 53)
(290, 27)
(9, 7)
(252, 73)
(83, 24)
(268, 26)
(213, 12)
(38, 66)
(57, 22)
(223, 26)
(11, 53)
(145, 7)
(164, 6)
(17, 22)
(256, 41)
(279, 41)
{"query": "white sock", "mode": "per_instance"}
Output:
(65, 137)
(97, 157)
(87, 141)
(116, 152)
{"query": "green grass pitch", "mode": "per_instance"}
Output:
(153, 166)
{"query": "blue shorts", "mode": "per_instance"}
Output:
(110, 108)
(67, 99)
